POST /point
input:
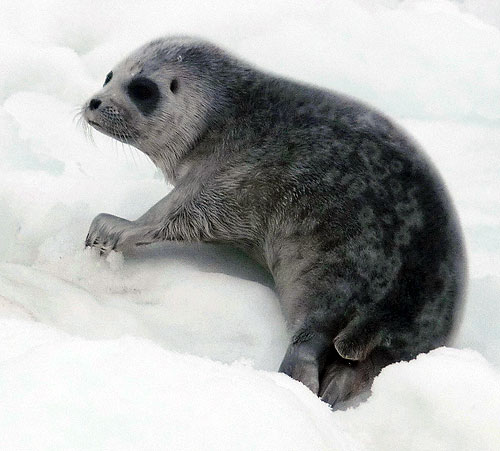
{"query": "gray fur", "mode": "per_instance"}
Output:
(345, 211)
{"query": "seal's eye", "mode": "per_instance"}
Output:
(144, 93)
(108, 78)
(142, 89)
(174, 85)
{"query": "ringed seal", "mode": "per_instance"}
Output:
(349, 216)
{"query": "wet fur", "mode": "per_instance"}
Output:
(345, 211)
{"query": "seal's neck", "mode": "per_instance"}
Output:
(175, 158)
(167, 157)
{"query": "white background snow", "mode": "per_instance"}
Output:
(125, 353)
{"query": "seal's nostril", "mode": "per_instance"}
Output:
(94, 104)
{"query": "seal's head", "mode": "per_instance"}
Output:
(162, 98)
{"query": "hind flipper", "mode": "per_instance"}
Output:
(345, 383)
(358, 339)
(303, 359)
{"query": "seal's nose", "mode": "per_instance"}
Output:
(94, 104)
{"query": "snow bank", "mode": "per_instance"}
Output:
(59, 392)
(445, 400)
(64, 393)
(88, 346)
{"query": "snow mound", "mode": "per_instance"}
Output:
(59, 392)
(62, 392)
(448, 399)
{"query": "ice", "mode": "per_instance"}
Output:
(176, 346)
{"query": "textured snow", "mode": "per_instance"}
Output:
(176, 346)
(59, 392)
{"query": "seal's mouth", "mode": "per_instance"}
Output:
(122, 134)
(102, 128)
(95, 124)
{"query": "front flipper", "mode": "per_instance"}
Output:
(110, 233)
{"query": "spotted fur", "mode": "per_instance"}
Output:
(342, 207)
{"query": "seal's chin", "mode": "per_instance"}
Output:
(101, 128)
(123, 135)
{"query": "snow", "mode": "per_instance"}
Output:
(177, 346)
(445, 400)
(130, 394)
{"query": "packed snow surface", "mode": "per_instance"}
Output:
(176, 346)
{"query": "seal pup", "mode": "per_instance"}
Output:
(349, 216)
